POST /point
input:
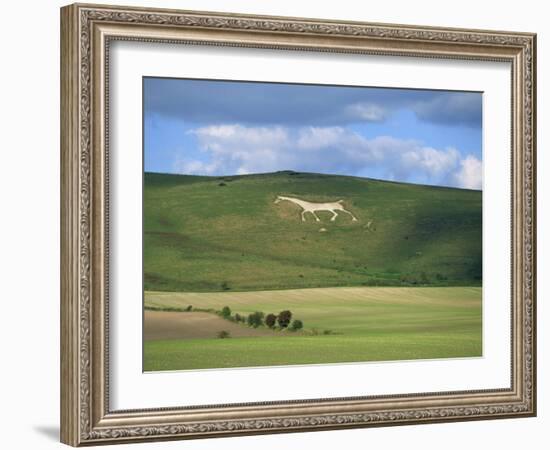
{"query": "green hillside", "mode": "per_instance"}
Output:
(207, 234)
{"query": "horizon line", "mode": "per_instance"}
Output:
(312, 173)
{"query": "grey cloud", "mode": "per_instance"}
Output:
(216, 102)
(460, 108)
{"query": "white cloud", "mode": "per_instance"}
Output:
(187, 166)
(370, 112)
(240, 149)
(435, 163)
(470, 174)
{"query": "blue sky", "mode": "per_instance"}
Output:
(206, 127)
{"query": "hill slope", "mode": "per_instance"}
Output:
(226, 233)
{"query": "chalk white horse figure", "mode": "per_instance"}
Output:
(312, 207)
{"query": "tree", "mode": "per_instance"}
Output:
(270, 320)
(255, 319)
(296, 325)
(226, 312)
(284, 318)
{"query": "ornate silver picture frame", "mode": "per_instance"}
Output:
(87, 33)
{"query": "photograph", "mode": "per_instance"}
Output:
(295, 224)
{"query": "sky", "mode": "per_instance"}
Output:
(209, 127)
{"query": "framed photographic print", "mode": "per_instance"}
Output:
(277, 224)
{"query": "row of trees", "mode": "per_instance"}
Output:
(258, 318)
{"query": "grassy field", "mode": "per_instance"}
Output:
(208, 234)
(401, 282)
(366, 324)
(164, 325)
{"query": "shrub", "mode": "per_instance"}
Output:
(408, 279)
(224, 334)
(255, 319)
(225, 286)
(424, 278)
(371, 282)
(226, 312)
(270, 320)
(284, 318)
(189, 308)
(239, 318)
(296, 325)
(327, 332)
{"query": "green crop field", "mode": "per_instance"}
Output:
(207, 234)
(401, 282)
(365, 323)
